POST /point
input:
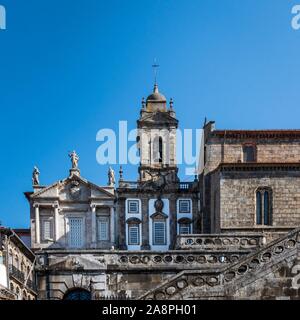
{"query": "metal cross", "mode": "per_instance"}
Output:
(155, 66)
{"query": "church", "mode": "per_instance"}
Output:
(231, 233)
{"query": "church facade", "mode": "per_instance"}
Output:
(229, 233)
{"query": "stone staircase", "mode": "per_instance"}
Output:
(267, 273)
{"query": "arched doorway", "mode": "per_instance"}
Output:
(78, 294)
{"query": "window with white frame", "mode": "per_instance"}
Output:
(184, 206)
(103, 228)
(46, 228)
(133, 206)
(159, 233)
(76, 232)
(184, 228)
(133, 234)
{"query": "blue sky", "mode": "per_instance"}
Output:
(69, 68)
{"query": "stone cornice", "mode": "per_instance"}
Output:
(238, 134)
(258, 166)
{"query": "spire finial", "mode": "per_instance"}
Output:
(171, 104)
(143, 104)
(155, 67)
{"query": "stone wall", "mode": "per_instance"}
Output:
(238, 198)
(231, 151)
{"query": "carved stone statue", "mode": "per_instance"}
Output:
(74, 159)
(35, 176)
(111, 177)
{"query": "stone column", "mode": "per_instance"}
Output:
(112, 226)
(93, 212)
(56, 222)
(37, 223)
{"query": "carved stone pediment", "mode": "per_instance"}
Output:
(74, 188)
(76, 263)
(159, 215)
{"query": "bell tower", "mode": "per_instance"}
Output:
(157, 127)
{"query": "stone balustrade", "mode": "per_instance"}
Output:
(128, 184)
(178, 260)
(140, 260)
(219, 242)
(223, 279)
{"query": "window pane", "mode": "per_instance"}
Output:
(184, 206)
(133, 206)
(76, 232)
(133, 235)
(266, 208)
(184, 228)
(103, 233)
(258, 208)
(47, 229)
(160, 149)
(249, 155)
(159, 233)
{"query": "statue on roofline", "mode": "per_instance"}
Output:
(111, 177)
(74, 159)
(35, 176)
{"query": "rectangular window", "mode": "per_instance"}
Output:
(248, 153)
(46, 229)
(159, 237)
(76, 232)
(103, 229)
(133, 235)
(184, 228)
(133, 206)
(184, 206)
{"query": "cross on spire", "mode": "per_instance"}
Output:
(155, 67)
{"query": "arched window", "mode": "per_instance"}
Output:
(78, 294)
(160, 148)
(264, 206)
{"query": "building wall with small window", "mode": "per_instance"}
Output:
(256, 199)
(18, 261)
(246, 146)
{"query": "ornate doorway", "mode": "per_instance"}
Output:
(78, 294)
